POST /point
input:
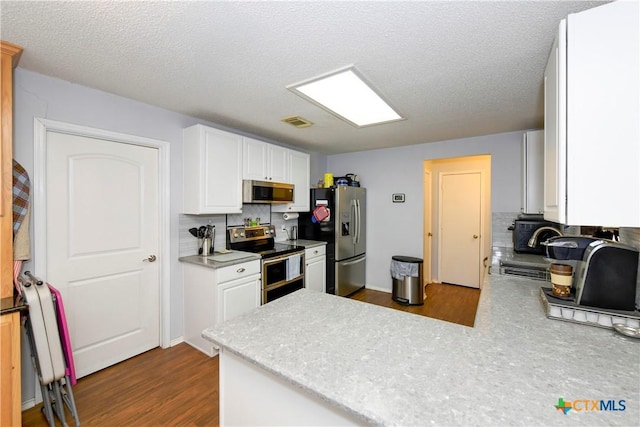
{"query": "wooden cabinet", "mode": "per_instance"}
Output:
(299, 173)
(10, 55)
(316, 272)
(591, 119)
(212, 164)
(10, 383)
(10, 387)
(532, 172)
(265, 162)
(213, 295)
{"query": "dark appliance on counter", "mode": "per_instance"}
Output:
(266, 192)
(338, 217)
(605, 271)
(523, 229)
(282, 264)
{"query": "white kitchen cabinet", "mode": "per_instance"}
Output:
(532, 172)
(315, 268)
(237, 297)
(213, 295)
(300, 178)
(592, 129)
(212, 171)
(265, 162)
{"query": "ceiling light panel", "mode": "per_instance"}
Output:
(345, 94)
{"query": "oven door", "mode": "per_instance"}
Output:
(282, 275)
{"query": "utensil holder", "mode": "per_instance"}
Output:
(206, 248)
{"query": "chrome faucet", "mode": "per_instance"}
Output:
(534, 237)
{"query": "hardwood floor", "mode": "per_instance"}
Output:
(456, 304)
(178, 386)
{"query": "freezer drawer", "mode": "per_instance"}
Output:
(350, 275)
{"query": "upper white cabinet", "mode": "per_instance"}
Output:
(299, 173)
(532, 172)
(265, 162)
(212, 174)
(592, 130)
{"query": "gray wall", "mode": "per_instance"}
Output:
(397, 228)
(382, 171)
(41, 96)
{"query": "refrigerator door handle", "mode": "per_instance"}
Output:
(354, 215)
(354, 261)
(358, 221)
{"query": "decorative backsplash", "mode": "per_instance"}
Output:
(500, 235)
(189, 244)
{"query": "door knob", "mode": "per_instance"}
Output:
(151, 258)
(475, 236)
(429, 234)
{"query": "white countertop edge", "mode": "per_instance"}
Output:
(289, 379)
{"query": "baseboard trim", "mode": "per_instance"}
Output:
(176, 341)
(374, 288)
(28, 404)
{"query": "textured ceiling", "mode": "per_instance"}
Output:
(452, 69)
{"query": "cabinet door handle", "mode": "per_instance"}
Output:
(240, 270)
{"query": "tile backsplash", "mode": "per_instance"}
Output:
(500, 235)
(189, 244)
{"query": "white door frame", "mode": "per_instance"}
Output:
(40, 129)
(427, 248)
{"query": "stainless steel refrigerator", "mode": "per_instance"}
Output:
(344, 230)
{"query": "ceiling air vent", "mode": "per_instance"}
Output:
(297, 121)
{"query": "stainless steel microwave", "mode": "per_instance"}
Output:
(266, 192)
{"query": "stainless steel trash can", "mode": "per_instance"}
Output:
(406, 273)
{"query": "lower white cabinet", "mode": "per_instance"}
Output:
(237, 297)
(316, 271)
(213, 295)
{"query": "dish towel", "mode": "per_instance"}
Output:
(293, 267)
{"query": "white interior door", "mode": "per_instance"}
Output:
(460, 225)
(102, 230)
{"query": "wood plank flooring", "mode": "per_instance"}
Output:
(452, 303)
(178, 386)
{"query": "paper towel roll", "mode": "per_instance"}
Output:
(288, 216)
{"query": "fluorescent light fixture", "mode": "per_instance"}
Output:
(345, 94)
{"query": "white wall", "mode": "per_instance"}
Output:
(397, 228)
(36, 95)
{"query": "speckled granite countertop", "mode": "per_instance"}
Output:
(388, 367)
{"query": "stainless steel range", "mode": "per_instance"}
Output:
(282, 264)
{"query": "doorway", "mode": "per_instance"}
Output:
(101, 230)
(456, 214)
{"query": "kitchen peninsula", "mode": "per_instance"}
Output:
(357, 363)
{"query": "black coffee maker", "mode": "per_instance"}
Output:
(605, 271)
